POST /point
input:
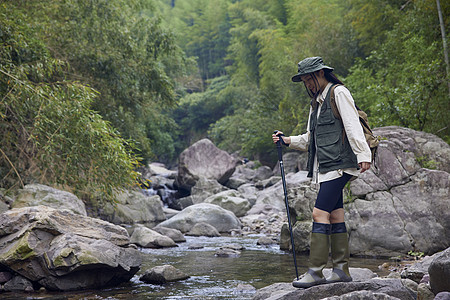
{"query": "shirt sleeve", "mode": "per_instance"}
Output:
(353, 129)
(301, 142)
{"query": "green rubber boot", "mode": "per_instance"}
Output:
(318, 256)
(340, 254)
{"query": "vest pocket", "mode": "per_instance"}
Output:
(328, 147)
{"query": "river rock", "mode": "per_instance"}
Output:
(263, 223)
(18, 284)
(3, 206)
(301, 232)
(363, 295)
(203, 158)
(163, 274)
(285, 291)
(223, 220)
(5, 276)
(293, 162)
(176, 235)
(424, 292)
(264, 184)
(274, 195)
(133, 207)
(263, 173)
(148, 238)
(266, 241)
(249, 192)
(245, 172)
(64, 251)
(439, 271)
(418, 270)
(182, 203)
(231, 200)
(442, 296)
(205, 188)
(39, 194)
(160, 169)
(203, 229)
(5, 201)
(227, 252)
(234, 183)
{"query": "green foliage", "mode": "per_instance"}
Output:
(119, 48)
(171, 72)
(426, 162)
(202, 28)
(416, 254)
(372, 20)
(49, 132)
(403, 81)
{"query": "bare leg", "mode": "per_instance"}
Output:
(321, 216)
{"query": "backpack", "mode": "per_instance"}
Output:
(372, 140)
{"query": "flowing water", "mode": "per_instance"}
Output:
(211, 277)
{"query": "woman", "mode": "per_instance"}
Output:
(337, 151)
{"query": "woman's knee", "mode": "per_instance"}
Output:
(320, 216)
(337, 216)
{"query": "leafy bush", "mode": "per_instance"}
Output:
(49, 133)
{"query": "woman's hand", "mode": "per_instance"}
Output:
(276, 138)
(364, 166)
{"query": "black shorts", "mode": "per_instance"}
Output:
(330, 197)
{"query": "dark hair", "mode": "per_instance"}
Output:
(329, 75)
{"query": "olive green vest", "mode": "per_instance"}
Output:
(333, 152)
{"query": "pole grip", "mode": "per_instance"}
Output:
(280, 152)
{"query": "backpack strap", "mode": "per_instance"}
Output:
(333, 102)
(335, 110)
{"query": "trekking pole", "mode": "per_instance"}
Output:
(280, 159)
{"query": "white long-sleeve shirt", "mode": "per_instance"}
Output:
(353, 130)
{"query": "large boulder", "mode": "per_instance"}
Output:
(203, 158)
(440, 272)
(64, 251)
(39, 194)
(394, 288)
(133, 207)
(407, 204)
(429, 150)
(223, 220)
(410, 217)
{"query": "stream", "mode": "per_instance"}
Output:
(211, 277)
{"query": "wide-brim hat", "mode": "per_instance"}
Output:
(309, 65)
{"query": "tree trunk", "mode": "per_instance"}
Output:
(444, 41)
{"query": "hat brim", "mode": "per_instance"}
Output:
(297, 78)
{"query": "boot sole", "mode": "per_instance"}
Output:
(309, 284)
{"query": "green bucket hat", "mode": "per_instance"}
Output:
(309, 65)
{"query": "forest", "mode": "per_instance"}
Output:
(91, 90)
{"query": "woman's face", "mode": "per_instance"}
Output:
(310, 83)
(314, 83)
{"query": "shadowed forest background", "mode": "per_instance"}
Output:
(89, 90)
